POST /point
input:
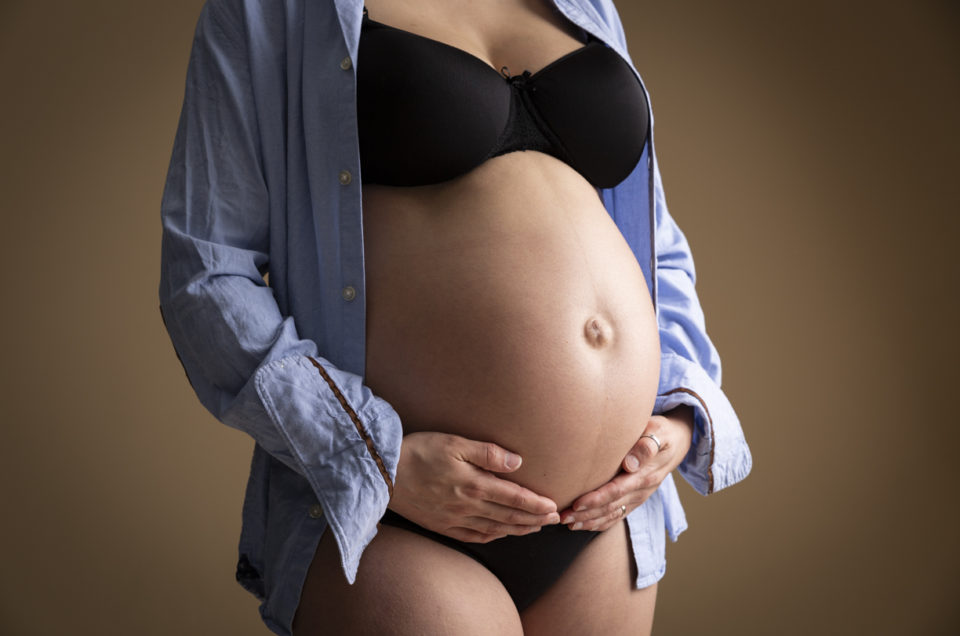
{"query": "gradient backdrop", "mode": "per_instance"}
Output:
(810, 152)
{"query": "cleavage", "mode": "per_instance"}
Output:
(503, 70)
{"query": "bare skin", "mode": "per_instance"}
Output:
(510, 326)
(408, 584)
(519, 319)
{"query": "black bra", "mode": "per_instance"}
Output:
(428, 112)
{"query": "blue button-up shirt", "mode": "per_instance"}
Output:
(264, 185)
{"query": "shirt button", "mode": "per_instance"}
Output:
(348, 293)
(345, 177)
(316, 511)
(345, 63)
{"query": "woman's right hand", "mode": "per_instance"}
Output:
(446, 483)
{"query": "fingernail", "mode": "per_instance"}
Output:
(580, 508)
(511, 461)
(577, 526)
(632, 462)
(567, 519)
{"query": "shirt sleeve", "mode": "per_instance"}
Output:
(244, 359)
(690, 371)
(690, 366)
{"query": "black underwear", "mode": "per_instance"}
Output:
(526, 565)
(428, 111)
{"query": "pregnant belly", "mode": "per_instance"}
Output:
(512, 315)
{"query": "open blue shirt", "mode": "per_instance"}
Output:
(265, 178)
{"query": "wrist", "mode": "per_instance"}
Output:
(681, 413)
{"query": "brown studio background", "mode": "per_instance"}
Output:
(809, 151)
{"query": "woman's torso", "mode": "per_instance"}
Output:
(504, 305)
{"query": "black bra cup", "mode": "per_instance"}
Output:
(428, 112)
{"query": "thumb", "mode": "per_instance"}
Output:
(636, 456)
(643, 450)
(489, 456)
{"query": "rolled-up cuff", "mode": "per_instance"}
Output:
(719, 455)
(345, 441)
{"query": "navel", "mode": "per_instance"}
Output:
(597, 332)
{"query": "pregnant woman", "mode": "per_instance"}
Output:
(420, 252)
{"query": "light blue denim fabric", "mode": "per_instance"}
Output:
(265, 177)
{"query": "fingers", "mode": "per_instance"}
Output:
(481, 521)
(604, 517)
(613, 490)
(493, 522)
(446, 483)
(601, 508)
(513, 517)
(471, 535)
(645, 448)
(488, 456)
(618, 514)
(510, 495)
(487, 529)
(491, 457)
(494, 507)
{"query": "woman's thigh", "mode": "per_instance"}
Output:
(596, 594)
(406, 584)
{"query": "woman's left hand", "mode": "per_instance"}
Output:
(643, 469)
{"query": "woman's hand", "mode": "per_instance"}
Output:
(644, 468)
(445, 483)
